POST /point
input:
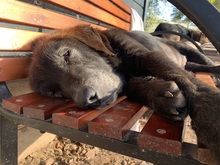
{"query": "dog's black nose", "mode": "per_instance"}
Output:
(92, 97)
(88, 98)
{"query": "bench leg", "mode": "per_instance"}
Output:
(9, 140)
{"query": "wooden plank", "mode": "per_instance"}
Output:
(161, 135)
(16, 104)
(189, 135)
(14, 40)
(113, 9)
(13, 68)
(43, 109)
(19, 87)
(210, 50)
(122, 5)
(206, 78)
(74, 117)
(20, 12)
(215, 58)
(115, 122)
(91, 11)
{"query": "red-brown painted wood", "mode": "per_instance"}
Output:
(85, 8)
(206, 78)
(23, 13)
(113, 9)
(14, 40)
(16, 104)
(122, 5)
(161, 135)
(74, 117)
(115, 122)
(43, 109)
(13, 68)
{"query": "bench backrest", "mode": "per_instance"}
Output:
(21, 22)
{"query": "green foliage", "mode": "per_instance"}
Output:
(153, 13)
(178, 17)
(152, 22)
(216, 3)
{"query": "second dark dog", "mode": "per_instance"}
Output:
(196, 35)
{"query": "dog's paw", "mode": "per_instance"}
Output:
(167, 99)
(164, 97)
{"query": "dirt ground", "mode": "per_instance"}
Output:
(62, 151)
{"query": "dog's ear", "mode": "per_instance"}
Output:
(93, 38)
(196, 35)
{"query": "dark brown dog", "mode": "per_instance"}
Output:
(92, 67)
(196, 35)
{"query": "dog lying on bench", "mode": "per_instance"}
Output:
(93, 67)
(196, 35)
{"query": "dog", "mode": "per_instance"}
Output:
(196, 35)
(93, 67)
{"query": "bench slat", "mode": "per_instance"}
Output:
(115, 122)
(20, 12)
(13, 68)
(161, 135)
(89, 10)
(14, 40)
(206, 78)
(74, 117)
(122, 5)
(113, 9)
(16, 104)
(43, 109)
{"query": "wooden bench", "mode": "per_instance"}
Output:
(159, 142)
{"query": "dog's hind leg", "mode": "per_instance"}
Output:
(194, 67)
(191, 54)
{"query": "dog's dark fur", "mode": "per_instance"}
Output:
(196, 35)
(92, 67)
